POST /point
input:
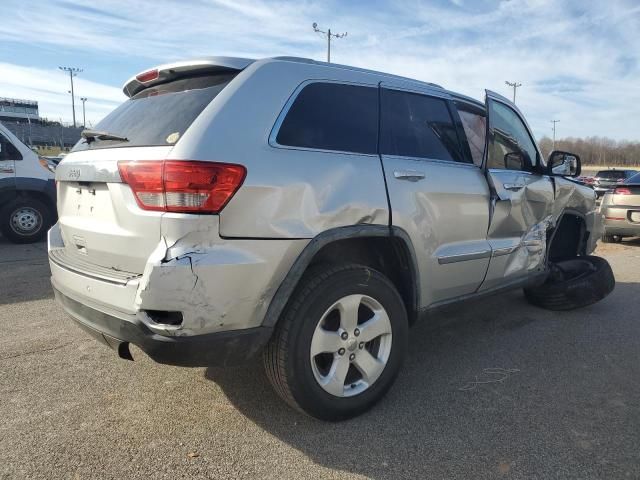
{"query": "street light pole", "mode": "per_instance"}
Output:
(329, 35)
(84, 117)
(514, 85)
(73, 71)
(554, 132)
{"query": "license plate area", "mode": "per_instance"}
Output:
(634, 217)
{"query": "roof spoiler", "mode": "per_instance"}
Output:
(170, 71)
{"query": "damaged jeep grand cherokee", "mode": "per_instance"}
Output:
(309, 213)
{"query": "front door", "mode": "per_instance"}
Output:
(521, 196)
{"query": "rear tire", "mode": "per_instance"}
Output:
(25, 220)
(606, 238)
(574, 283)
(369, 344)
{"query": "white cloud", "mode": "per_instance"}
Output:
(50, 88)
(589, 46)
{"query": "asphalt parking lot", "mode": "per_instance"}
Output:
(490, 389)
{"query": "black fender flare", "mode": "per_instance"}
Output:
(288, 285)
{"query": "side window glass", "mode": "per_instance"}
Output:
(8, 151)
(333, 116)
(510, 145)
(475, 129)
(415, 125)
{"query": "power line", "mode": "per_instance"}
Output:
(554, 132)
(329, 35)
(73, 72)
(514, 85)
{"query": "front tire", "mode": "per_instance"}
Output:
(340, 342)
(574, 283)
(25, 220)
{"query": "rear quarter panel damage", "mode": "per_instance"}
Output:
(217, 284)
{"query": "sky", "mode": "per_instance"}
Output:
(578, 60)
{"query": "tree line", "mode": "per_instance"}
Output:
(600, 151)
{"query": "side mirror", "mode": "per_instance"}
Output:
(563, 164)
(514, 161)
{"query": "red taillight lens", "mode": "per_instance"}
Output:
(147, 76)
(182, 186)
(622, 191)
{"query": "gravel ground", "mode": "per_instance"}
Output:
(490, 389)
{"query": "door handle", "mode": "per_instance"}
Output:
(514, 187)
(7, 170)
(411, 175)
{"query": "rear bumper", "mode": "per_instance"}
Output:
(213, 349)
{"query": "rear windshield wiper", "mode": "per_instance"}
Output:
(93, 135)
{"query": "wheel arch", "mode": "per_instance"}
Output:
(388, 249)
(569, 238)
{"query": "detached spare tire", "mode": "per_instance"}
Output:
(573, 283)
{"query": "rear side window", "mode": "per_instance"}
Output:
(161, 114)
(8, 150)
(332, 116)
(415, 125)
(475, 126)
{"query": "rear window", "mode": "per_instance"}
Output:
(332, 116)
(415, 125)
(634, 179)
(611, 174)
(159, 115)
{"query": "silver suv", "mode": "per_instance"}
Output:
(310, 212)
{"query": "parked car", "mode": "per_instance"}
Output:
(309, 212)
(621, 211)
(606, 180)
(27, 191)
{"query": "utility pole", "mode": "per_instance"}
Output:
(84, 117)
(554, 133)
(73, 71)
(514, 85)
(329, 35)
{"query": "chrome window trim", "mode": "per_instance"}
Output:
(438, 161)
(273, 135)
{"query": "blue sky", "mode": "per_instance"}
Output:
(578, 61)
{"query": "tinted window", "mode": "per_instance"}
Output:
(634, 179)
(332, 116)
(8, 150)
(611, 174)
(159, 115)
(475, 129)
(510, 144)
(415, 125)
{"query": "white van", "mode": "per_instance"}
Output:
(27, 191)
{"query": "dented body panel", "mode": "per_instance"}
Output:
(467, 229)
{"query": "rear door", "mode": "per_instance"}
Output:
(437, 195)
(521, 196)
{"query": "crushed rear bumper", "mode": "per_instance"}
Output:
(212, 349)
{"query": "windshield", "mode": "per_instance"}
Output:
(158, 115)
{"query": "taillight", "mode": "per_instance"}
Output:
(622, 191)
(182, 186)
(148, 76)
